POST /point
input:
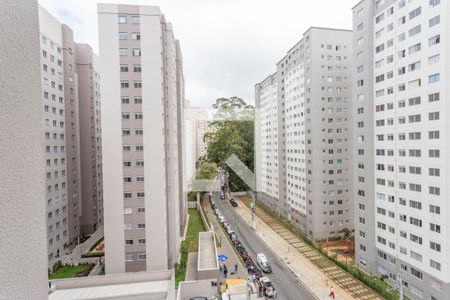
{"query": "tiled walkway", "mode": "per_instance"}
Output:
(344, 280)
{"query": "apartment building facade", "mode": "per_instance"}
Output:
(406, 100)
(57, 165)
(266, 142)
(311, 144)
(140, 63)
(90, 138)
(63, 86)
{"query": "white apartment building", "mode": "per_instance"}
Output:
(266, 142)
(405, 102)
(303, 163)
(140, 63)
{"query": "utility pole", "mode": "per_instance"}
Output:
(252, 207)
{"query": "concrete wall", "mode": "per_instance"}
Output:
(112, 140)
(22, 217)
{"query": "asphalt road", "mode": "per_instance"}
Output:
(286, 284)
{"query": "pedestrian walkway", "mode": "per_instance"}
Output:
(313, 270)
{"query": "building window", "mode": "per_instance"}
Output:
(122, 19)
(435, 246)
(433, 97)
(137, 68)
(129, 257)
(434, 3)
(434, 40)
(124, 84)
(137, 100)
(434, 78)
(136, 36)
(123, 35)
(136, 52)
(137, 84)
(434, 21)
(123, 68)
(135, 19)
(416, 12)
(123, 51)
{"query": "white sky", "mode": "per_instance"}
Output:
(227, 45)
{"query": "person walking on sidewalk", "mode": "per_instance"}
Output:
(332, 292)
(235, 268)
(225, 271)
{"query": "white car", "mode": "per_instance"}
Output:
(269, 290)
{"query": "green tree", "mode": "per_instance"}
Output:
(232, 132)
(206, 170)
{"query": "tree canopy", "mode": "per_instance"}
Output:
(207, 170)
(232, 132)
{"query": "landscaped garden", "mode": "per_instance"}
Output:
(69, 271)
(190, 244)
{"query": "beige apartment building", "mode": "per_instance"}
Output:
(69, 87)
(90, 139)
(303, 135)
(142, 82)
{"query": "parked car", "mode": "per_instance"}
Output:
(269, 290)
(233, 236)
(233, 203)
(263, 263)
(198, 298)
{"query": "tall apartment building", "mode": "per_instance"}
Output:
(22, 215)
(90, 138)
(400, 72)
(56, 130)
(201, 128)
(66, 93)
(304, 131)
(266, 142)
(140, 63)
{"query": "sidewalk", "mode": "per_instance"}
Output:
(225, 248)
(298, 256)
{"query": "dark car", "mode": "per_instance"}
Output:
(198, 298)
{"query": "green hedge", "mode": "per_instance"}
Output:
(92, 254)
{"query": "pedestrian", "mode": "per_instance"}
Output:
(332, 292)
(235, 268)
(225, 271)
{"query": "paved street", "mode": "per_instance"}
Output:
(288, 287)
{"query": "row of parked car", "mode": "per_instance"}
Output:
(262, 282)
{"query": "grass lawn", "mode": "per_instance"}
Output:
(190, 244)
(69, 272)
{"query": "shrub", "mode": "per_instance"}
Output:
(56, 266)
(92, 254)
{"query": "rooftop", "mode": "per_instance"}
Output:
(139, 285)
(207, 252)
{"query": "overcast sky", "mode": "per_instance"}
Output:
(227, 45)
